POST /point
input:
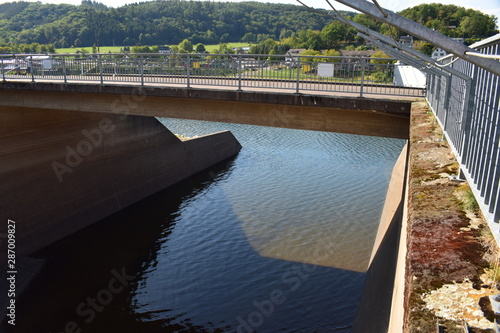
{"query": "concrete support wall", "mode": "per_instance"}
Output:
(61, 170)
(376, 310)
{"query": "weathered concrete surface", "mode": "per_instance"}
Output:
(396, 320)
(61, 171)
(344, 115)
(374, 312)
(439, 246)
(444, 244)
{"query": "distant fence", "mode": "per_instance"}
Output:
(355, 75)
(468, 111)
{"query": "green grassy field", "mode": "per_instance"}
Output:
(103, 49)
(211, 48)
(117, 49)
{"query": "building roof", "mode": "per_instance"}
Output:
(357, 53)
(296, 51)
(407, 37)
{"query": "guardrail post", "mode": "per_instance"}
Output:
(3, 71)
(31, 69)
(446, 103)
(468, 106)
(297, 88)
(362, 76)
(239, 72)
(141, 69)
(99, 60)
(188, 71)
(64, 69)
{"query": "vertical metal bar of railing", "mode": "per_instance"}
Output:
(442, 96)
(188, 71)
(275, 73)
(64, 69)
(474, 127)
(141, 69)
(362, 76)
(99, 62)
(492, 147)
(474, 106)
(239, 71)
(297, 67)
(446, 104)
(483, 154)
(3, 71)
(32, 69)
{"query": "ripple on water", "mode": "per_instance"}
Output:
(297, 213)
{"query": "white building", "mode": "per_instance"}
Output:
(439, 53)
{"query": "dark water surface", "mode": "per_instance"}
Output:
(274, 240)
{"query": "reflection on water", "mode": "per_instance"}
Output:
(305, 196)
(277, 239)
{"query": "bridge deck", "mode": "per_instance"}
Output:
(287, 87)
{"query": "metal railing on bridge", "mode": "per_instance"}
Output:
(468, 112)
(353, 75)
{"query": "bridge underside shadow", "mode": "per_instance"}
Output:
(375, 117)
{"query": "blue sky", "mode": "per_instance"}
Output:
(491, 7)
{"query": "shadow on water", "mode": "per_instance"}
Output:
(99, 279)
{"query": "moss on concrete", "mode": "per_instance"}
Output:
(446, 241)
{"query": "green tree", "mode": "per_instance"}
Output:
(268, 46)
(330, 53)
(334, 34)
(423, 47)
(380, 57)
(311, 52)
(223, 49)
(141, 49)
(77, 43)
(382, 67)
(96, 23)
(453, 20)
(285, 33)
(367, 21)
(477, 25)
(200, 48)
(185, 46)
(249, 37)
(294, 42)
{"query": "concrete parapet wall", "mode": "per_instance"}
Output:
(376, 313)
(61, 170)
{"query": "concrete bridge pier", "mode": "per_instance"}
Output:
(61, 171)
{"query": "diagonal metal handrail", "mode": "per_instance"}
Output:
(422, 32)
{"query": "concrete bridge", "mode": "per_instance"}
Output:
(377, 116)
(75, 153)
(89, 164)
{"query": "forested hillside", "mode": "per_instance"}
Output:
(156, 22)
(453, 21)
(276, 27)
